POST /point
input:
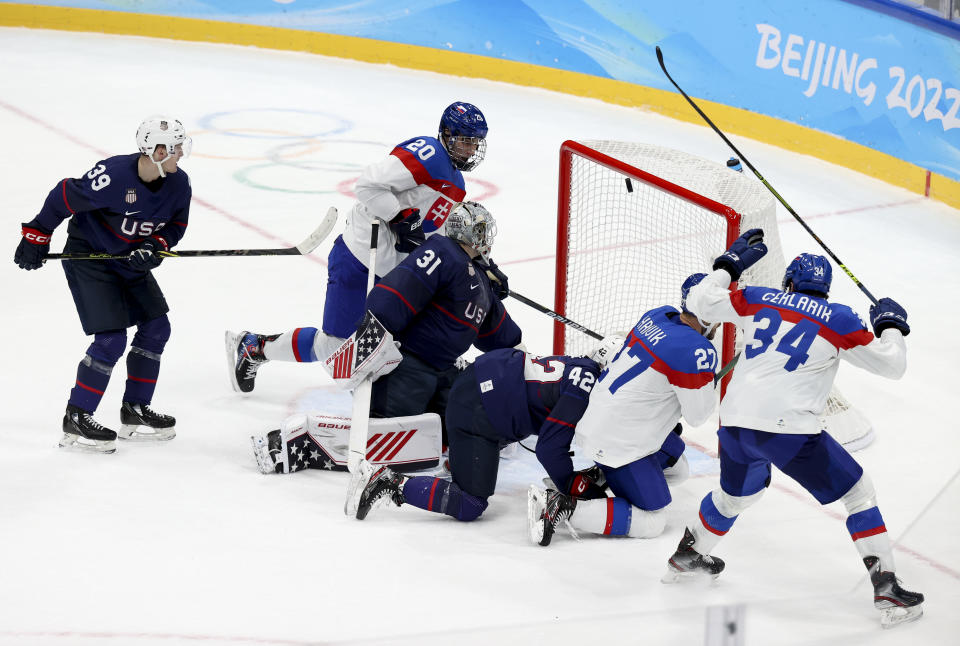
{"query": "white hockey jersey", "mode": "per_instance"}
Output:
(792, 347)
(664, 370)
(418, 174)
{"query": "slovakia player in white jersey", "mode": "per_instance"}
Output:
(412, 191)
(662, 370)
(793, 341)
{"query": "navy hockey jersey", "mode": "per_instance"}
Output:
(438, 302)
(525, 395)
(114, 210)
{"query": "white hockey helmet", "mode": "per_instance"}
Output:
(472, 224)
(608, 347)
(159, 130)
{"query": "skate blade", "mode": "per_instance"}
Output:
(536, 499)
(262, 454)
(354, 491)
(230, 342)
(73, 442)
(678, 576)
(131, 433)
(890, 617)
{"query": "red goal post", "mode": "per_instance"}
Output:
(634, 220)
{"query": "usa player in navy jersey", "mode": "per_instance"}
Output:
(437, 303)
(793, 342)
(134, 204)
(662, 370)
(505, 396)
(413, 192)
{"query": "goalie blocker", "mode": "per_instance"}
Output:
(317, 441)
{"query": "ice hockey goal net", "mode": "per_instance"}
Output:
(634, 220)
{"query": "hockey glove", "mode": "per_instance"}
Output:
(498, 280)
(888, 313)
(33, 246)
(742, 254)
(369, 352)
(588, 484)
(144, 257)
(407, 227)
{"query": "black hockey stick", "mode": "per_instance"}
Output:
(310, 243)
(558, 317)
(765, 182)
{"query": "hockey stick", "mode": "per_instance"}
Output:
(360, 425)
(549, 312)
(764, 181)
(310, 243)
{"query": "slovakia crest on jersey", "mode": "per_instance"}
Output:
(437, 214)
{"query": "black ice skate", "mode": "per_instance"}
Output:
(686, 562)
(140, 423)
(83, 433)
(895, 604)
(545, 510)
(269, 451)
(244, 358)
(379, 487)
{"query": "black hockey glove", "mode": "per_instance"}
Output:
(144, 257)
(33, 246)
(407, 227)
(588, 484)
(499, 281)
(742, 254)
(888, 313)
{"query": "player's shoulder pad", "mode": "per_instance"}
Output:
(844, 319)
(681, 351)
(584, 363)
(427, 159)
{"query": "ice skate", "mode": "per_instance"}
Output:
(268, 450)
(244, 358)
(687, 563)
(83, 433)
(545, 510)
(140, 423)
(378, 485)
(896, 605)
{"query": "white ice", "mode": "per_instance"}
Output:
(187, 542)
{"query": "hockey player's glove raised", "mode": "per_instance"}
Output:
(369, 352)
(888, 313)
(33, 246)
(499, 281)
(407, 227)
(588, 484)
(742, 254)
(144, 257)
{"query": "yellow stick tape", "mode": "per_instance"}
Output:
(776, 132)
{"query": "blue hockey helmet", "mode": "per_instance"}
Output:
(809, 272)
(734, 164)
(463, 132)
(691, 280)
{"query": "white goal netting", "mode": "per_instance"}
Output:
(635, 219)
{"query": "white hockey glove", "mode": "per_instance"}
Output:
(369, 352)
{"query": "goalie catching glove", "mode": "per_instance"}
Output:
(369, 352)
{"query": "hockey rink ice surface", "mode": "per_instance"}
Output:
(186, 542)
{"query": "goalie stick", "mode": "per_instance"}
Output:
(310, 243)
(764, 181)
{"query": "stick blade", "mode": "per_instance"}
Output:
(320, 233)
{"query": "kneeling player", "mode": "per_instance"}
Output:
(505, 396)
(663, 369)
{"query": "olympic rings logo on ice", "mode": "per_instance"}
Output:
(292, 150)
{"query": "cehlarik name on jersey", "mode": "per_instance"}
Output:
(140, 228)
(805, 304)
(650, 331)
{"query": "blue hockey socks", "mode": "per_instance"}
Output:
(442, 497)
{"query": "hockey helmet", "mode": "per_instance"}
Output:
(809, 273)
(159, 130)
(463, 133)
(472, 224)
(607, 348)
(689, 281)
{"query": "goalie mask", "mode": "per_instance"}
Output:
(471, 224)
(463, 133)
(607, 348)
(164, 131)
